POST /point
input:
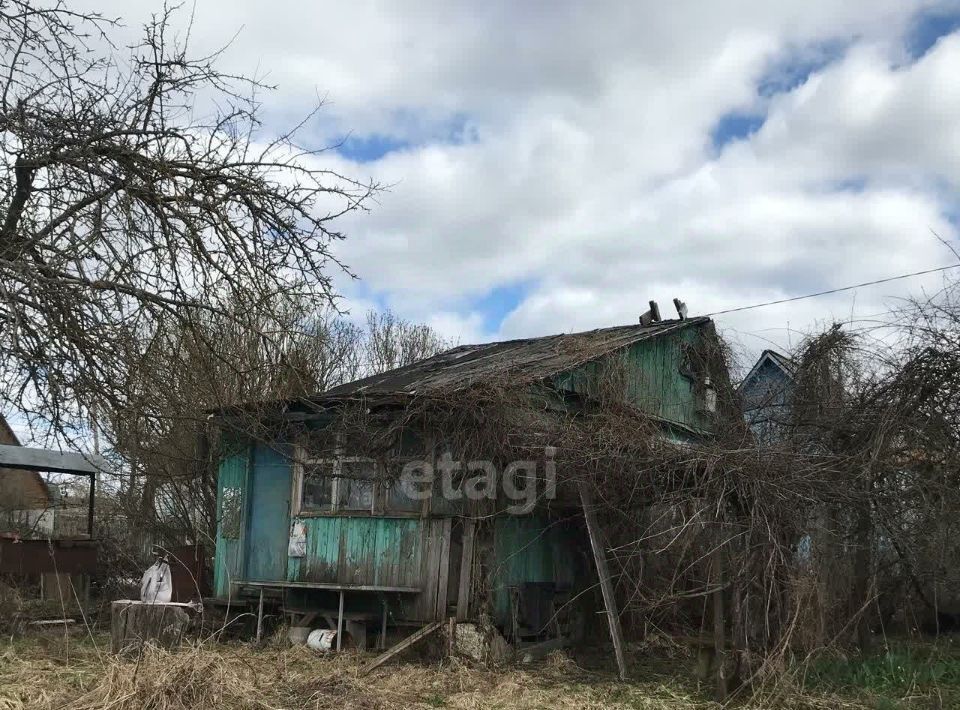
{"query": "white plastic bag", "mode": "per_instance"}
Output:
(297, 547)
(156, 587)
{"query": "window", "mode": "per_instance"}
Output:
(356, 483)
(340, 484)
(397, 499)
(317, 492)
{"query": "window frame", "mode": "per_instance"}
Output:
(378, 506)
(338, 477)
(302, 461)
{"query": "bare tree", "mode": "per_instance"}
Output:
(395, 342)
(167, 473)
(140, 195)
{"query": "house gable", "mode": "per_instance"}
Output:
(23, 494)
(766, 395)
(657, 376)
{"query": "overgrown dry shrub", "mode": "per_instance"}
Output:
(11, 604)
(200, 678)
(785, 535)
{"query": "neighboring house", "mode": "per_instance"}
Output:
(35, 553)
(322, 529)
(766, 395)
(26, 508)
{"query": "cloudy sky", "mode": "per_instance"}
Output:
(556, 165)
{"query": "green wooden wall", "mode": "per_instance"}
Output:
(345, 549)
(360, 550)
(228, 562)
(653, 381)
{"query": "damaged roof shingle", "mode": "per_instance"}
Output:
(528, 358)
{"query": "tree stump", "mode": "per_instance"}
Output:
(134, 624)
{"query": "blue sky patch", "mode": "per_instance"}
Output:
(416, 130)
(952, 215)
(366, 149)
(735, 126)
(795, 67)
(788, 72)
(461, 129)
(360, 289)
(497, 304)
(927, 28)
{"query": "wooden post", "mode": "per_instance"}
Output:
(600, 559)
(383, 627)
(466, 569)
(90, 504)
(340, 622)
(724, 653)
(719, 628)
(57, 587)
(260, 617)
(406, 643)
(443, 571)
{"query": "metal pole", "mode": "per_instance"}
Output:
(340, 621)
(93, 492)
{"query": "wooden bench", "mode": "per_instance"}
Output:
(342, 589)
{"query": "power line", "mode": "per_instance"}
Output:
(835, 290)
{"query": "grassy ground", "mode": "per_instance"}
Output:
(76, 673)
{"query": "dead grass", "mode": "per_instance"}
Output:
(43, 673)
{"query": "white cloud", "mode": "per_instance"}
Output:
(589, 174)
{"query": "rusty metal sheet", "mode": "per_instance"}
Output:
(189, 573)
(34, 557)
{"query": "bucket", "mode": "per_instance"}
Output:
(321, 639)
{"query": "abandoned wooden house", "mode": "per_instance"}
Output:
(314, 520)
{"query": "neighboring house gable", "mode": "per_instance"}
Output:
(766, 394)
(25, 504)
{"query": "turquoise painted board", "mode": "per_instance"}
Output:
(529, 549)
(231, 505)
(360, 550)
(654, 381)
(268, 514)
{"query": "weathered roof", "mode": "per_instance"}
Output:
(528, 358)
(786, 364)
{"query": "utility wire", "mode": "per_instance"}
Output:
(835, 290)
